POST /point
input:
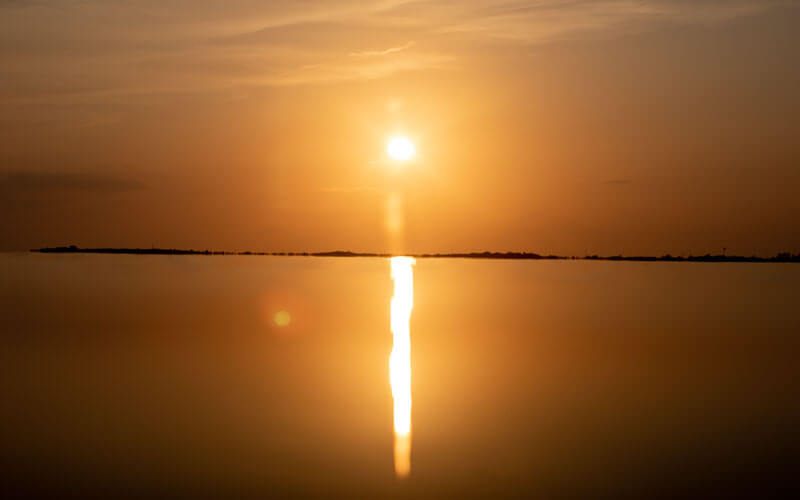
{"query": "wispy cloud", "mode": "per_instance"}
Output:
(385, 52)
(536, 22)
(209, 47)
(336, 70)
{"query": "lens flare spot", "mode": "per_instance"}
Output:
(282, 318)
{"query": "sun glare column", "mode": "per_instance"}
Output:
(400, 361)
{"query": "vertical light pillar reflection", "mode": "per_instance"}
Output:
(394, 222)
(400, 361)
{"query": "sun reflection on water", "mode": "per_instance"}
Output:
(400, 361)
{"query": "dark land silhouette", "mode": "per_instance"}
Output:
(780, 257)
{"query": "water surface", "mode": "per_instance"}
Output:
(253, 376)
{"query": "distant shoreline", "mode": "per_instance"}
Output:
(781, 257)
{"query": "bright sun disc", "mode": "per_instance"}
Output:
(400, 148)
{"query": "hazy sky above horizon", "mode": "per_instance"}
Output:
(635, 127)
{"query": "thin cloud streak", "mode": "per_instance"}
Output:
(337, 71)
(533, 23)
(241, 36)
(378, 53)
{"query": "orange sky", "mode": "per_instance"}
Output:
(604, 127)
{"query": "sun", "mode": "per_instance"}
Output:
(400, 148)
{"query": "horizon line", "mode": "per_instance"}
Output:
(779, 257)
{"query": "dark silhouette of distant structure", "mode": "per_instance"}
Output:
(781, 257)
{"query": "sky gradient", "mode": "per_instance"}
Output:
(568, 127)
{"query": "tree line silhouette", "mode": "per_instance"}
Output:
(780, 257)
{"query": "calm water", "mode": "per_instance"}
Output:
(258, 376)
